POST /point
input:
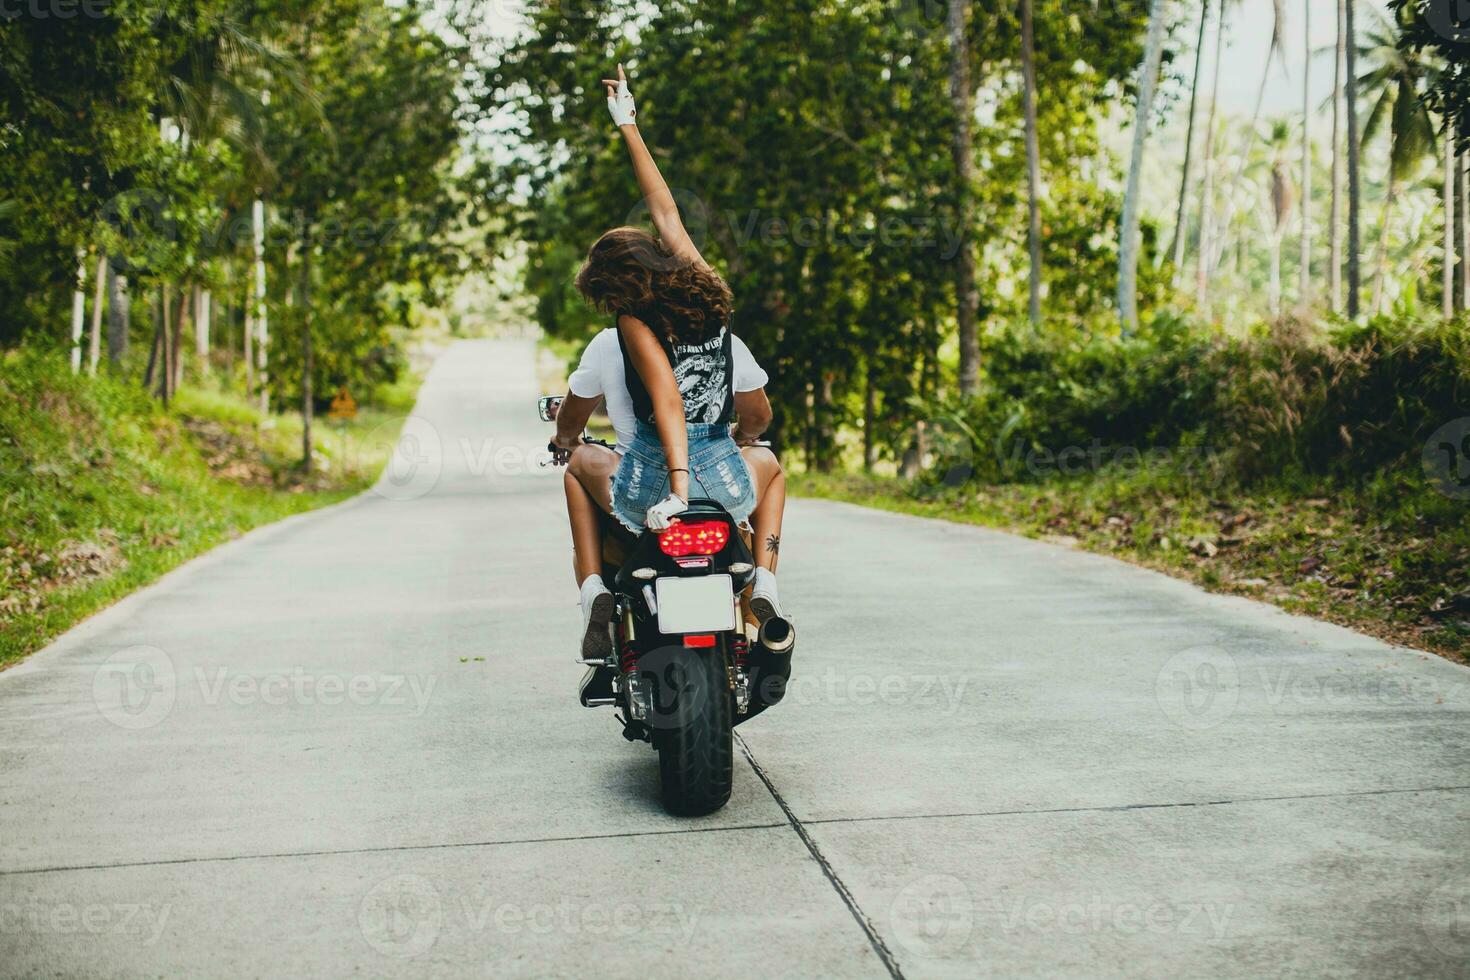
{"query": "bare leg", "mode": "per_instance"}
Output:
(588, 486)
(770, 491)
(586, 529)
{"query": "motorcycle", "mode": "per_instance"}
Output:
(690, 661)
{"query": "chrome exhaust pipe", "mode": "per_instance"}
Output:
(778, 635)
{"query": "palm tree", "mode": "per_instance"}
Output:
(1128, 236)
(1176, 247)
(1395, 86)
(1304, 272)
(1463, 228)
(1207, 192)
(1355, 190)
(1277, 28)
(1276, 216)
(1447, 302)
(1334, 260)
(1033, 156)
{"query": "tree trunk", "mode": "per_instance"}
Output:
(94, 343)
(1304, 272)
(202, 316)
(176, 348)
(306, 352)
(1181, 214)
(1250, 141)
(963, 98)
(1447, 280)
(1462, 226)
(155, 354)
(247, 340)
(1033, 156)
(1380, 263)
(1128, 238)
(165, 352)
(119, 317)
(262, 323)
(1273, 287)
(1207, 193)
(1350, 94)
(78, 311)
(870, 420)
(1334, 260)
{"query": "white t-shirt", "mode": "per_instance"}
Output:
(601, 373)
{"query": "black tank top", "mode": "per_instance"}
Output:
(704, 373)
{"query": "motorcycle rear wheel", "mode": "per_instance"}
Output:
(696, 757)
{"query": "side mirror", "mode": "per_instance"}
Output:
(548, 406)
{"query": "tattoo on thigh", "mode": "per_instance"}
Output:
(773, 544)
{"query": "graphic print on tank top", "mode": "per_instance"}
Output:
(702, 373)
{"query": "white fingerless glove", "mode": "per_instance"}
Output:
(621, 106)
(661, 514)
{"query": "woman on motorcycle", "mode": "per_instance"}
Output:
(673, 318)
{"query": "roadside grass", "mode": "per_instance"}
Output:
(1390, 558)
(102, 490)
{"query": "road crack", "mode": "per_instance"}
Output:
(864, 923)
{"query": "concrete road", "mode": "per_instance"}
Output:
(350, 744)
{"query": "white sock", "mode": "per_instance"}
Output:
(765, 585)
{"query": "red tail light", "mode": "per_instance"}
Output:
(700, 640)
(698, 538)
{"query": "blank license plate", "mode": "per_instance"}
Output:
(696, 605)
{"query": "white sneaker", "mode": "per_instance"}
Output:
(763, 600)
(597, 614)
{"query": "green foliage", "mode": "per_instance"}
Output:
(1280, 402)
(1429, 30)
(101, 491)
(1390, 557)
(808, 144)
(363, 189)
(146, 133)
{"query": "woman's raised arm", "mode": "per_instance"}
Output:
(661, 206)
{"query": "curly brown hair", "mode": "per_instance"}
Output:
(630, 271)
